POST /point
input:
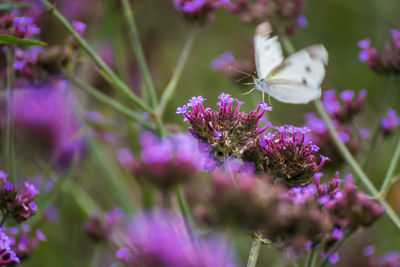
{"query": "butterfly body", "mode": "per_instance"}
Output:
(296, 79)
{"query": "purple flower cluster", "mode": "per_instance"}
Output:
(391, 259)
(101, 229)
(168, 161)
(228, 131)
(386, 63)
(7, 255)
(159, 238)
(24, 242)
(254, 203)
(390, 122)
(198, 10)
(347, 107)
(45, 118)
(283, 14)
(288, 157)
(231, 67)
(21, 27)
(342, 110)
(17, 203)
(349, 208)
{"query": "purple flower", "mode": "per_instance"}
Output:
(334, 258)
(167, 161)
(46, 117)
(80, 27)
(337, 234)
(160, 238)
(368, 251)
(302, 21)
(197, 10)
(390, 122)
(7, 255)
(223, 60)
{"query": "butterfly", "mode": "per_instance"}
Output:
(296, 79)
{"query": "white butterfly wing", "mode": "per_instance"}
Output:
(298, 79)
(267, 49)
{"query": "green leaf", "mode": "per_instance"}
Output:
(12, 40)
(11, 6)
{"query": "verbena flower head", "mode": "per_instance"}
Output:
(390, 123)
(342, 110)
(160, 238)
(18, 26)
(8, 255)
(345, 108)
(45, 118)
(386, 63)
(198, 11)
(254, 203)
(286, 156)
(228, 131)
(25, 242)
(231, 67)
(168, 161)
(349, 208)
(283, 14)
(17, 203)
(390, 259)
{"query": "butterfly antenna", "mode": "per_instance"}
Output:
(241, 79)
(251, 90)
(242, 72)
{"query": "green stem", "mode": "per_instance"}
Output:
(115, 30)
(176, 75)
(254, 252)
(287, 44)
(111, 176)
(338, 245)
(377, 131)
(104, 69)
(311, 258)
(184, 207)
(343, 149)
(390, 171)
(139, 52)
(82, 199)
(111, 102)
(147, 195)
(353, 163)
(10, 125)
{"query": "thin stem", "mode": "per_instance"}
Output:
(10, 125)
(353, 163)
(104, 69)
(184, 207)
(390, 171)
(137, 47)
(287, 44)
(254, 251)
(147, 195)
(114, 28)
(377, 131)
(311, 258)
(336, 248)
(111, 176)
(3, 220)
(343, 149)
(111, 102)
(176, 75)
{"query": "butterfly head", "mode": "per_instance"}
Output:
(260, 84)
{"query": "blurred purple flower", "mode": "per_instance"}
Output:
(390, 122)
(160, 238)
(8, 255)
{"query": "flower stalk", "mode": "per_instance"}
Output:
(171, 87)
(10, 54)
(390, 171)
(137, 47)
(254, 251)
(103, 68)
